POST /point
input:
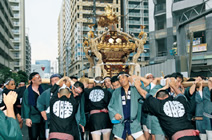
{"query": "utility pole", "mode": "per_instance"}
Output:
(94, 16)
(191, 37)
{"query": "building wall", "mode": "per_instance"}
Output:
(167, 16)
(19, 52)
(6, 35)
(60, 43)
(64, 36)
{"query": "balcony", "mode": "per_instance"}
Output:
(16, 57)
(134, 22)
(146, 14)
(135, 14)
(134, 6)
(146, 6)
(178, 0)
(15, 1)
(146, 23)
(162, 53)
(16, 23)
(135, 0)
(134, 30)
(16, 40)
(15, 8)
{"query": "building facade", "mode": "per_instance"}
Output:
(74, 18)
(28, 55)
(19, 51)
(134, 14)
(166, 34)
(6, 35)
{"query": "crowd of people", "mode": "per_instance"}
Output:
(122, 107)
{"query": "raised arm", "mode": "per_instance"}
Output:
(9, 101)
(172, 84)
(139, 89)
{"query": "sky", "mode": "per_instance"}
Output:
(41, 18)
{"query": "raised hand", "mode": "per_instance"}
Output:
(10, 98)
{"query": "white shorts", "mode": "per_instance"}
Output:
(134, 135)
(47, 133)
(102, 131)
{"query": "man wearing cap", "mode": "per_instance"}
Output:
(44, 101)
(125, 111)
(63, 107)
(34, 120)
(97, 100)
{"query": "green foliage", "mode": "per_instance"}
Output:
(4, 74)
(23, 76)
(19, 76)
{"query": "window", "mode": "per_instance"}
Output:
(16, 47)
(16, 39)
(162, 48)
(199, 37)
(16, 63)
(160, 22)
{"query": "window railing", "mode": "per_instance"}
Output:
(134, 6)
(134, 22)
(162, 53)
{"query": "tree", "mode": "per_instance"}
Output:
(23, 76)
(6, 73)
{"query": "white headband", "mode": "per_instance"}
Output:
(106, 78)
(8, 82)
(148, 75)
(64, 87)
(123, 74)
(99, 82)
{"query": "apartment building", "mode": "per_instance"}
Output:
(6, 35)
(19, 51)
(134, 14)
